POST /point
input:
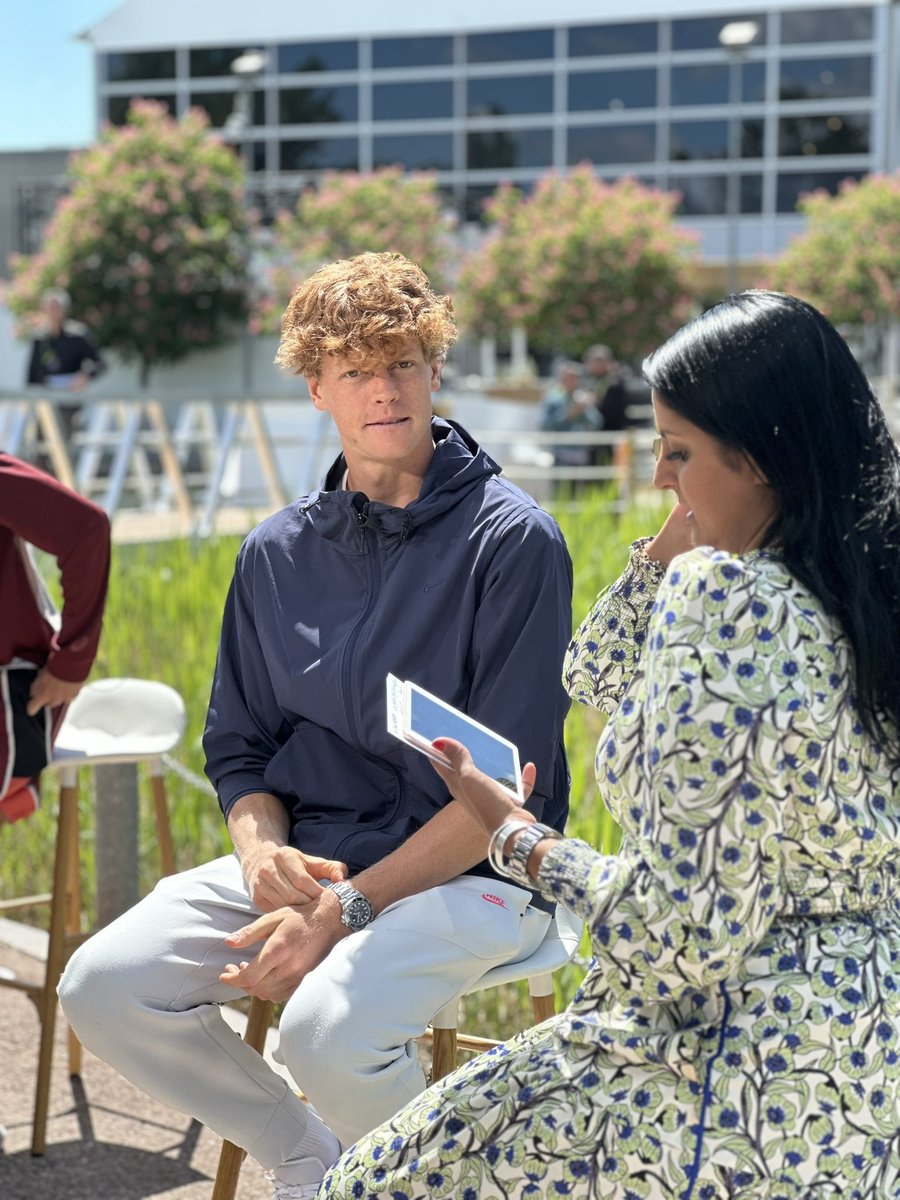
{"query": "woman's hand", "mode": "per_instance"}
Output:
(674, 538)
(481, 797)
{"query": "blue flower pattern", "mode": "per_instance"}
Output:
(738, 1034)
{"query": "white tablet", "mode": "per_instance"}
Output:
(417, 718)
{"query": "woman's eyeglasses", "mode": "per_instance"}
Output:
(656, 447)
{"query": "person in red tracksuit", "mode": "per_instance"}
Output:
(45, 656)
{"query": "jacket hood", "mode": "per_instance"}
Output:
(457, 466)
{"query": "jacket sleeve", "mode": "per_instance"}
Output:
(92, 356)
(41, 511)
(36, 373)
(245, 727)
(522, 627)
(602, 656)
(700, 883)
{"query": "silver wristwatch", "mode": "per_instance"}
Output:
(357, 908)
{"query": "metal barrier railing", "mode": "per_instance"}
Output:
(191, 460)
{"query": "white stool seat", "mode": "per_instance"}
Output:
(119, 720)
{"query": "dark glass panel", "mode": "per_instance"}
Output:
(635, 37)
(310, 106)
(117, 106)
(314, 154)
(701, 195)
(751, 189)
(258, 156)
(833, 134)
(825, 78)
(702, 33)
(412, 52)
(220, 106)
(318, 56)
(698, 139)
(752, 140)
(827, 25)
(502, 94)
(612, 143)
(753, 81)
(412, 101)
(213, 60)
(500, 148)
(253, 154)
(705, 83)
(415, 151)
(144, 64)
(509, 45)
(591, 90)
(791, 187)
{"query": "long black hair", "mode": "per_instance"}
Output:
(769, 376)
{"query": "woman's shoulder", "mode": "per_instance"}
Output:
(704, 567)
(717, 581)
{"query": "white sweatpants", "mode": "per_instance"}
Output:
(144, 993)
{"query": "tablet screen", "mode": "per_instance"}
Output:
(430, 718)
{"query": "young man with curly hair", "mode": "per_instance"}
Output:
(358, 893)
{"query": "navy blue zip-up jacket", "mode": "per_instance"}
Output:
(467, 591)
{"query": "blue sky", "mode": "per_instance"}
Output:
(46, 76)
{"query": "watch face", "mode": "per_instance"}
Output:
(358, 912)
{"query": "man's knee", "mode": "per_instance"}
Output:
(342, 1054)
(354, 1083)
(93, 991)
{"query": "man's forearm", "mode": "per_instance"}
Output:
(450, 844)
(258, 817)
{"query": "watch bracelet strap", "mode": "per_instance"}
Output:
(517, 864)
(346, 894)
(499, 838)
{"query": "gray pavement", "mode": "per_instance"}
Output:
(105, 1139)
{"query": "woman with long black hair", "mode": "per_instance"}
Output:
(738, 1034)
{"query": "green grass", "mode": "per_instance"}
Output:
(162, 622)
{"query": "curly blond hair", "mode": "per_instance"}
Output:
(364, 308)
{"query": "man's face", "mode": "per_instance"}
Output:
(381, 407)
(570, 381)
(53, 311)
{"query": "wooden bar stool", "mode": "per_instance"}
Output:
(110, 721)
(557, 947)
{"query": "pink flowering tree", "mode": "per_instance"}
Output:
(847, 260)
(580, 261)
(151, 242)
(348, 213)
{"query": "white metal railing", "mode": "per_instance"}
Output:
(191, 460)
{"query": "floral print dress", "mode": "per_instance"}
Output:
(738, 1033)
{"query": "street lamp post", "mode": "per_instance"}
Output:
(246, 69)
(735, 37)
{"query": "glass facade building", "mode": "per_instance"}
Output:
(662, 100)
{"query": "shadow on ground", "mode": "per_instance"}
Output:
(106, 1140)
(75, 1169)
